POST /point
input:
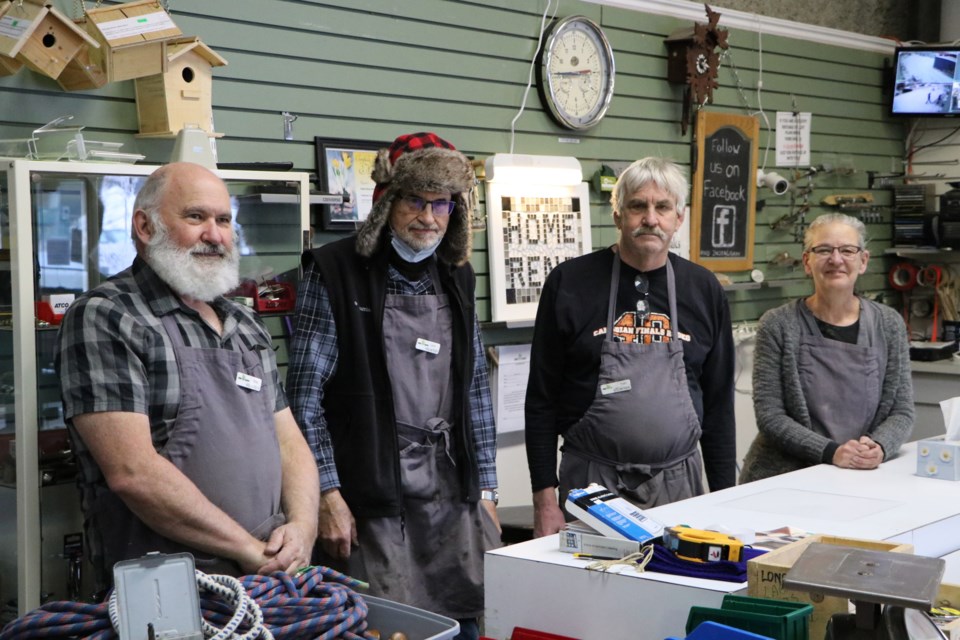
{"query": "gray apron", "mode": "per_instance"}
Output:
(639, 436)
(841, 382)
(431, 557)
(224, 440)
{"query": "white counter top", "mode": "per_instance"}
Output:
(888, 503)
(950, 367)
(533, 584)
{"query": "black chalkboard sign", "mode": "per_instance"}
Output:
(723, 208)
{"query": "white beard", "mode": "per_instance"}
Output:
(189, 275)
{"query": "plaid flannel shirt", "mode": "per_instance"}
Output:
(313, 361)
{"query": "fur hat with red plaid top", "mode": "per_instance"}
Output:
(417, 163)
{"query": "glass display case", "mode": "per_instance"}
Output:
(64, 228)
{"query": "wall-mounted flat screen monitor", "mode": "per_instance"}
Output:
(926, 82)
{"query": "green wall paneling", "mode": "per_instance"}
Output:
(371, 69)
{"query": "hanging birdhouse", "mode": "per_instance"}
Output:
(9, 66)
(132, 38)
(183, 95)
(40, 37)
(82, 72)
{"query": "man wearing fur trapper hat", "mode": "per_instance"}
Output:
(388, 380)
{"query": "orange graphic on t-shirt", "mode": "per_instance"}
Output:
(655, 329)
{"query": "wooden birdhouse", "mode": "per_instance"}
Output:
(183, 95)
(82, 73)
(9, 66)
(132, 38)
(40, 37)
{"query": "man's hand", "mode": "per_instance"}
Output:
(251, 556)
(288, 549)
(492, 510)
(859, 454)
(337, 528)
(547, 515)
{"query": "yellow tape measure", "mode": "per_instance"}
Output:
(701, 545)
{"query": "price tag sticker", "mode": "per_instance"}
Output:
(428, 345)
(249, 382)
(615, 387)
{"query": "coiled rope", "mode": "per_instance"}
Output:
(316, 603)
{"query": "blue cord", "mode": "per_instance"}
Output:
(315, 603)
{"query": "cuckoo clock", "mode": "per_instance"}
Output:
(693, 61)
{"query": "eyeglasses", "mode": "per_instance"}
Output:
(642, 285)
(437, 207)
(847, 251)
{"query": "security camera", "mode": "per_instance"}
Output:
(773, 181)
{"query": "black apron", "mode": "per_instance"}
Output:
(224, 440)
(639, 436)
(431, 557)
(841, 382)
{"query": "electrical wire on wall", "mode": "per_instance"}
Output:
(916, 131)
(533, 64)
(760, 111)
(727, 57)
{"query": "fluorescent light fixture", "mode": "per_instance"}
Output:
(539, 170)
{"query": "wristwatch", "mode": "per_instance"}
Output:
(490, 494)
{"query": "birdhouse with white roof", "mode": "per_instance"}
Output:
(132, 38)
(39, 36)
(183, 95)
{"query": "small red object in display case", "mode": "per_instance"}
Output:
(267, 296)
(274, 296)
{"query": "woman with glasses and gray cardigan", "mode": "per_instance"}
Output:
(831, 376)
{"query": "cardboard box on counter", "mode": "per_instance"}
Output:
(949, 596)
(765, 576)
(575, 538)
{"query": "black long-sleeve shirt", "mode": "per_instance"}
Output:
(565, 356)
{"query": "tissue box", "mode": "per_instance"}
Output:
(938, 458)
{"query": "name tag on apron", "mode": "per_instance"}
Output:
(615, 387)
(249, 382)
(427, 345)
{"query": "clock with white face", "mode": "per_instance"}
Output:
(576, 72)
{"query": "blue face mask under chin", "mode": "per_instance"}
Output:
(408, 254)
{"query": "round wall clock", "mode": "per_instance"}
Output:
(576, 72)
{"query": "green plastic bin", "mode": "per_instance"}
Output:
(773, 618)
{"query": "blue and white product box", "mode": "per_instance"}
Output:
(612, 515)
(576, 537)
(938, 458)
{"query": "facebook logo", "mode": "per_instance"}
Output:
(724, 225)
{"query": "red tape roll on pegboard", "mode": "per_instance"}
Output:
(930, 276)
(903, 276)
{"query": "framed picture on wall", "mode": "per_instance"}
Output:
(344, 167)
(531, 229)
